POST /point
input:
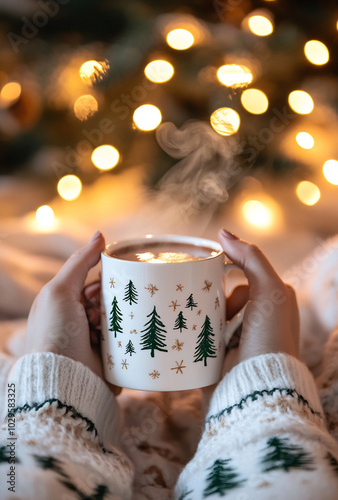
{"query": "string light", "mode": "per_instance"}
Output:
(301, 102)
(147, 117)
(254, 101)
(69, 187)
(305, 140)
(234, 75)
(308, 193)
(44, 216)
(105, 157)
(180, 39)
(330, 171)
(260, 25)
(93, 71)
(225, 121)
(10, 93)
(85, 107)
(316, 52)
(159, 71)
(257, 214)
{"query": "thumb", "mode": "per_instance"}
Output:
(74, 272)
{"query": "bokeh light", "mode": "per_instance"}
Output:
(93, 71)
(147, 117)
(225, 121)
(257, 214)
(85, 107)
(305, 140)
(308, 193)
(254, 101)
(9, 94)
(301, 102)
(330, 171)
(44, 216)
(260, 25)
(69, 187)
(105, 157)
(316, 52)
(159, 71)
(180, 39)
(234, 75)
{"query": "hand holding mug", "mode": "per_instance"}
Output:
(271, 318)
(59, 317)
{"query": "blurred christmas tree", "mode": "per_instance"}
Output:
(73, 72)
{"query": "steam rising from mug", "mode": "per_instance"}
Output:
(207, 166)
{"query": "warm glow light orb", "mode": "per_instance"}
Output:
(234, 75)
(89, 68)
(147, 117)
(159, 71)
(225, 121)
(10, 93)
(180, 39)
(305, 140)
(330, 171)
(254, 101)
(92, 71)
(308, 193)
(69, 187)
(257, 213)
(85, 107)
(316, 52)
(260, 25)
(44, 216)
(301, 102)
(105, 157)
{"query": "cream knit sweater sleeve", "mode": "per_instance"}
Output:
(59, 428)
(264, 438)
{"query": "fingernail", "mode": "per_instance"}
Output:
(229, 234)
(95, 236)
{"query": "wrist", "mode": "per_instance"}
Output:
(46, 378)
(272, 376)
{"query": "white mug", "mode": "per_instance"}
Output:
(163, 324)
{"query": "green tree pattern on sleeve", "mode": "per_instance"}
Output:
(180, 322)
(333, 462)
(153, 338)
(205, 347)
(130, 348)
(222, 478)
(131, 294)
(190, 302)
(5, 456)
(115, 318)
(185, 495)
(285, 455)
(57, 466)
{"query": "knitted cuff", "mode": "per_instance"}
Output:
(254, 377)
(46, 378)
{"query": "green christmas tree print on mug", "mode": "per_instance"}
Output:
(130, 348)
(190, 302)
(131, 293)
(180, 322)
(153, 338)
(205, 344)
(115, 318)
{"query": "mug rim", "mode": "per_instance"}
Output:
(192, 240)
